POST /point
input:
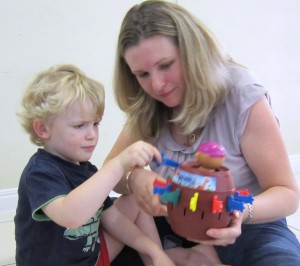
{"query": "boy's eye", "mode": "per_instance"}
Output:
(96, 124)
(78, 126)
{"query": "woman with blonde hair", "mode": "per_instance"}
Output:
(179, 88)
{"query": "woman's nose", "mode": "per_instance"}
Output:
(158, 81)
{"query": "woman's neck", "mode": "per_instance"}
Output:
(181, 138)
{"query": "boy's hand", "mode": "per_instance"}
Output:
(139, 154)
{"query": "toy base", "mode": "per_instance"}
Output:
(194, 224)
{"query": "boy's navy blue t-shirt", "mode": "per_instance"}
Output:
(39, 241)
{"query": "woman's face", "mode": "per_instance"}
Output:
(156, 64)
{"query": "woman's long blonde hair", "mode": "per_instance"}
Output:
(204, 65)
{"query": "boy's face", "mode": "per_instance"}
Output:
(73, 135)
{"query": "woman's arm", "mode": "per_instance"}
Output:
(264, 150)
(140, 181)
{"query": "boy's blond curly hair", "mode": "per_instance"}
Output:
(52, 91)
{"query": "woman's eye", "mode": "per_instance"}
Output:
(96, 124)
(142, 75)
(166, 66)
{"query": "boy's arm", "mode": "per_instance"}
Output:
(121, 228)
(82, 203)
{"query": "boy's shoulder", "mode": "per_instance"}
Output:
(44, 165)
(43, 161)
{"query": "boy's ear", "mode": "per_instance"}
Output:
(40, 129)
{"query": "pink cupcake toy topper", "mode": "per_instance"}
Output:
(211, 155)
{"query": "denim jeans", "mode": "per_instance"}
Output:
(263, 245)
(270, 244)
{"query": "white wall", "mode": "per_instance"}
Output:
(261, 34)
(34, 36)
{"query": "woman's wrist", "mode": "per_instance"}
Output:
(130, 179)
(248, 214)
(127, 182)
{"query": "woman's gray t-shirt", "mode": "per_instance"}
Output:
(226, 127)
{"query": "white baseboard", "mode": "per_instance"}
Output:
(9, 200)
(295, 162)
(9, 197)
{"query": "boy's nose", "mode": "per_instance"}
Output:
(92, 133)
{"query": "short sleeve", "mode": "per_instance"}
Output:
(107, 203)
(43, 186)
(250, 95)
(245, 92)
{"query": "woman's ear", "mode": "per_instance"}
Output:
(40, 129)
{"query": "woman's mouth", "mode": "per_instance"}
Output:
(166, 94)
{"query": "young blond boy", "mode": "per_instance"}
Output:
(63, 198)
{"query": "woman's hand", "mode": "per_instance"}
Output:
(141, 185)
(225, 236)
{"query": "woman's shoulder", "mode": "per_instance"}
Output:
(244, 85)
(241, 76)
